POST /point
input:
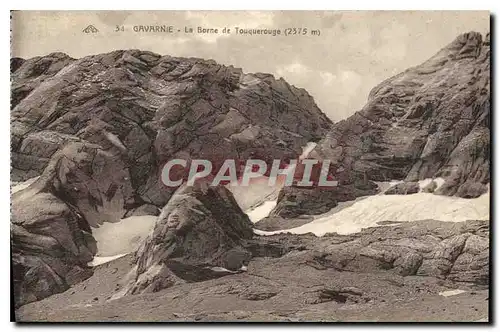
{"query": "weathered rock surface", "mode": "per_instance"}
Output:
(198, 236)
(430, 188)
(403, 188)
(296, 201)
(432, 120)
(99, 129)
(275, 223)
(155, 108)
(51, 237)
(144, 210)
(389, 273)
(427, 248)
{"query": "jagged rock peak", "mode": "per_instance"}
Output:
(430, 121)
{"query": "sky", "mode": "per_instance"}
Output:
(354, 51)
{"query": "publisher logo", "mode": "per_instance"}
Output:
(90, 29)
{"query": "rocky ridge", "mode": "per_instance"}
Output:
(430, 121)
(155, 108)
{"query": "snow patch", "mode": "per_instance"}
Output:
(23, 185)
(425, 182)
(306, 150)
(259, 191)
(266, 233)
(99, 260)
(261, 211)
(439, 182)
(451, 292)
(123, 237)
(383, 186)
(113, 139)
(222, 269)
(369, 211)
(243, 268)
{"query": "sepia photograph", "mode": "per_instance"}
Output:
(250, 166)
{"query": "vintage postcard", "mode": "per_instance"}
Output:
(250, 166)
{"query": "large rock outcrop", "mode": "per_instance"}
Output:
(82, 186)
(198, 236)
(432, 120)
(99, 129)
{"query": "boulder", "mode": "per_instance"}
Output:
(51, 235)
(198, 236)
(404, 188)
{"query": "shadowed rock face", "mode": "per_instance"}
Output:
(199, 231)
(51, 237)
(432, 120)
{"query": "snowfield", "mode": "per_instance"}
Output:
(369, 211)
(123, 237)
(350, 217)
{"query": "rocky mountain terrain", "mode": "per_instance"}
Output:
(198, 236)
(387, 273)
(98, 130)
(430, 121)
(91, 136)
